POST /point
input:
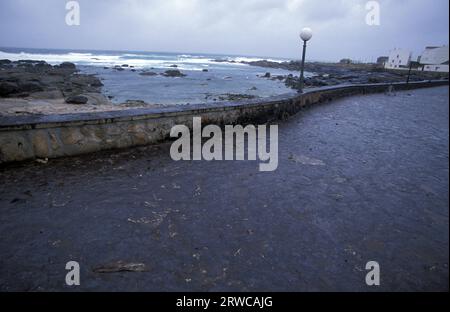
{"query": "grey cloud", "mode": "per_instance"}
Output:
(254, 27)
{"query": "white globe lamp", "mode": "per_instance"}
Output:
(305, 35)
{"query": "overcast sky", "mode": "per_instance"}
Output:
(244, 27)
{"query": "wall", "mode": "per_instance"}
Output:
(436, 68)
(30, 137)
(398, 58)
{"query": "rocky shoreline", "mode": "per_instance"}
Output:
(330, 74)
(36, 87)
(40, 80)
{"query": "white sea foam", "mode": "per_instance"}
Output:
(78, 58)
(183, 61)
(254, 59)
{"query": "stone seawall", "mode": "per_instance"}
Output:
(30, 137)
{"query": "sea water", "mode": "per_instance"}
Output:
(198, 86)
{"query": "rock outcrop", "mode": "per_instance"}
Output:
(77, 99)
(30, 78)
(173, 73)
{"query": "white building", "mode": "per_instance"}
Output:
(435, 59)
(398, 59)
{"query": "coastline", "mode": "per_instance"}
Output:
(35, 87)
(30, 87)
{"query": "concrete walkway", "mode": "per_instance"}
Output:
(360, 179)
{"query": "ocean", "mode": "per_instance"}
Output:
(198, 86)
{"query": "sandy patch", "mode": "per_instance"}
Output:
(32, 106)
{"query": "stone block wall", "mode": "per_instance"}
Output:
(27, 137)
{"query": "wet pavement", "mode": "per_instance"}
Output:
(360, 179)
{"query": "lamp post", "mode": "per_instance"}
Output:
(409, 72)
(305, 35)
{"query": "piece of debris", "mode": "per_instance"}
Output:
(304, 160)
(121, 266)
(198, 191)
(142, 220)
(42, 161)
(17, 200)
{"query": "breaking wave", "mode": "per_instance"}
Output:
(138, 60)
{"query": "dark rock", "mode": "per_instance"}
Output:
(3, 62)
(315, 82)
(204, 70)
(224, 61)
(43, 66)
(96, 84)
(267, 75)
(67, 65)
(77, 99)
(30, 86)
(173, 66)
(8, 88)
(173, 73)
(125, 65)
(40, 80)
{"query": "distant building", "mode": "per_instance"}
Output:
(435, 59)
(398, 59)
(415, 65)
(382, 60)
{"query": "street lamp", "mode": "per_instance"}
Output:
(305, 35)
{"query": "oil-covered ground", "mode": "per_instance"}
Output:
(359, 179)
